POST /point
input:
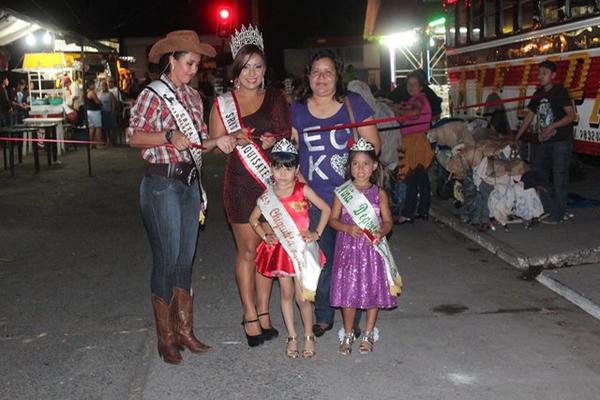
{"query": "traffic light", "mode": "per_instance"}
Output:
(224, 22)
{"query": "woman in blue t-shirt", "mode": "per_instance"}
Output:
(323, 154)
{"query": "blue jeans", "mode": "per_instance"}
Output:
(417, 182)
(170, 211)
(552, 160)
(323, 311)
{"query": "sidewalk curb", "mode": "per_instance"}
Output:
(573, 296)
(504, 252)
(521, 261)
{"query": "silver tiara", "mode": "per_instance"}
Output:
(362, 145)
(243, 37)
(284, 146)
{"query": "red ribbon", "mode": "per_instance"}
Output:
(11, 139)
(369, 235)
(495, 102)
(410, 117)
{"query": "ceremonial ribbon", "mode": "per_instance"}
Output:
(252, 157)
(401, 118)
(69, 141)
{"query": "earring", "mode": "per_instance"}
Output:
(262, 85)
(236, 84)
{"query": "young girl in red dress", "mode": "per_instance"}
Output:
(272, 259)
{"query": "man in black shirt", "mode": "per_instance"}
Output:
(5, 103)
(554, 114)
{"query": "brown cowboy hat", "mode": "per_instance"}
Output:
(180, 41)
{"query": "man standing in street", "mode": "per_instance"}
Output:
(19, 102)
(5, 103)
(554, 114)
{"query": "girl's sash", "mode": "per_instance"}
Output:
(364, 216)
(252, 157)
(185, 124)
(305, 256)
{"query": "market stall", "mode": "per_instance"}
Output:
(46, 73)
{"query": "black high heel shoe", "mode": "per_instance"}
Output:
(268, 333)
(253, 340)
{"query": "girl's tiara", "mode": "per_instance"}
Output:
(284, 146)
(362, 145)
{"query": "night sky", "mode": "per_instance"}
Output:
(285, 23)
(106, 18)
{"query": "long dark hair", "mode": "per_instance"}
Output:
(240, 60)
(163, 64)
(419, 76)
(340, 88)
(377, 175)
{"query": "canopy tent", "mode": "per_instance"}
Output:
(13, 28)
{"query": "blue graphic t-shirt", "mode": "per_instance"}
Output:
(323, 154)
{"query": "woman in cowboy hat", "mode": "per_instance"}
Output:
(169, 196)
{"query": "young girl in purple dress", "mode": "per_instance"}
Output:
(359, 278)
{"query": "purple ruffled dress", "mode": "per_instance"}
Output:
(359, 277)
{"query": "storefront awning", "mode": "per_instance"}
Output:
(13, 28)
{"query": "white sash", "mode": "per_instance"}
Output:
(252, 157)
(185, 124)
(364, 216)
(305, 256)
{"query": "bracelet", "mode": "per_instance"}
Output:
(169, 136)
(318, 234)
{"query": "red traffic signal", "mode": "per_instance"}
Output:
(224, 22)
(224, 14)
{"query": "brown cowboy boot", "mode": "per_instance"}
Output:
(183, 325)
(167, 343)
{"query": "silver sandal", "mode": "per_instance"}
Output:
(346, 343)
(367, 342)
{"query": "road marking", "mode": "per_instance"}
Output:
(461, 379)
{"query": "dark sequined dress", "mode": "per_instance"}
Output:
(240, 190)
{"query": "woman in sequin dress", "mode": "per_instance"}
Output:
(265, 116)
(359, 274)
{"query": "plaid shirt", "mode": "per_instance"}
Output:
(151, 114)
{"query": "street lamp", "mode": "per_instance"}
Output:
(47, 38)
(398, 41)
(402, 39)
(30, 39)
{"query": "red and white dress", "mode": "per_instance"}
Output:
(273, 261)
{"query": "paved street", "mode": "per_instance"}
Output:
(76, 321)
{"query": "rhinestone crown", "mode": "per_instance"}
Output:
(284, 146)
(246, 36)
(362, 145)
